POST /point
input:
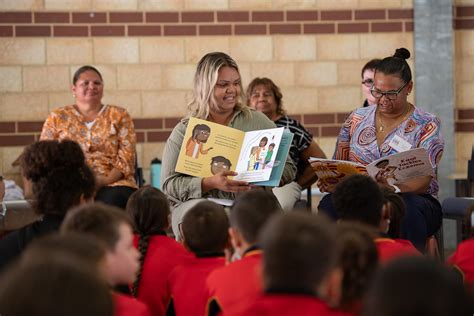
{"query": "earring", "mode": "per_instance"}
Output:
(73, 95)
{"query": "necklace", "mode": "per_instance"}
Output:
(405, 115)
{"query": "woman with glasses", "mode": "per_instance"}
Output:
(367, 75)
(395, 125)
(217, 97)
(265, 96)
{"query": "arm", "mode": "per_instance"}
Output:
(49, 130)
(309, 177)
(124, 162)
(343, 140)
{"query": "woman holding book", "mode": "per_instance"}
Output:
(217, 97)
(394, 125)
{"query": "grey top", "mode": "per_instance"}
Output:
(180, 187)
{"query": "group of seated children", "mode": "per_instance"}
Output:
(252, 260)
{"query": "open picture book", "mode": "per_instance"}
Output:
(258, 156)
(396, 168)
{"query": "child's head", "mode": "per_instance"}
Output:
(263, 142)
(205, 229)
(413, 286)
(394, 209)
(149, 210)
(299, 253)
(359, 198)
(271, 146)
(112, 226)
(59, 175)
(73, 247)
(53, 288)
(251, 210)
(201, 132)
(358, 259)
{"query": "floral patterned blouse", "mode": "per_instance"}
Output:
(357, 140)
(108, 144)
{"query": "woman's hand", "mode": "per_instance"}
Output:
(221, 182)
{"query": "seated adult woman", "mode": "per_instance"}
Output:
(217, 97)
(104, 132)
(265, 96)
(392, 126)
(60, 179)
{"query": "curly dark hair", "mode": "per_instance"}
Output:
(59, 175)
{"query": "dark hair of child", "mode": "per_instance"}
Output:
(83, 69)
(100, 220)
(299, 250)
(59, 175)
(358, 198)
(54, 288)
(358, 259)
(149, 210)
(251, 210)
(396, 65)
(69, 247)
(205, 229)
(397, 211)
(413, 286)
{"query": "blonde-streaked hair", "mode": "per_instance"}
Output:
(204, 82)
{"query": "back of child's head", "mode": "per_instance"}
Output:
(413, 286)
(251, 210)
(358, 259)
(205, 229)
(358, 198)
(299, 251)
(53, 288)
(396, 206)
(80, 248)
(149, 210)
(99, 220)
(59, 175)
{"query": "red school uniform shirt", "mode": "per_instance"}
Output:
(289, 305)
(128, 306)
(162, 256)
(236, 286)
(187, 285)
(389, 249)
(463, 259)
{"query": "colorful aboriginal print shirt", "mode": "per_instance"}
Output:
(357, 140)
(108, 144)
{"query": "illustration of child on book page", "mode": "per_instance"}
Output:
(253, 158)
(219, 164)
(260, 153)
(386, 171)
(195, 144)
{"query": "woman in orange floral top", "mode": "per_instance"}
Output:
(104, 132)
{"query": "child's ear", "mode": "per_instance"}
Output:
(385, 217)
(331, 287)
(235, 238)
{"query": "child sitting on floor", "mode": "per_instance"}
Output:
(149, 210)
(205, 233)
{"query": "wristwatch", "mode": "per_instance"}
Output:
(397, 189)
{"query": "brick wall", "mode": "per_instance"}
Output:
(147, 51)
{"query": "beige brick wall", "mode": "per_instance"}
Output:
(152, 76)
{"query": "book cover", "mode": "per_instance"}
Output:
(210, 148)
(396, 168)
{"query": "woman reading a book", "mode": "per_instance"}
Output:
(265, 96)
(217, 97)
(392, 126)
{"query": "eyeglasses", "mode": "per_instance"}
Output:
(368, 83)
(391, 94)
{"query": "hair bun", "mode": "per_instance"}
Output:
(402, 53)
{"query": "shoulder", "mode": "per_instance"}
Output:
(253, 121)
(423, 117)
(117, 110)
(63, 110)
